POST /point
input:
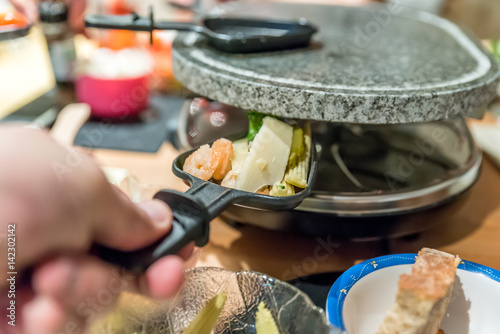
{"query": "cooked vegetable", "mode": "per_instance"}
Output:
(495, 47)
(282, 189)
(206, 319)
(298, 147)
(298, 175)
(255, 120)
(267, 160)
(264, 321)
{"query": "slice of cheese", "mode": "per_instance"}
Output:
(240, 152)
(266, 162)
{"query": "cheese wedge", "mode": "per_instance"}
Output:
(266, 162)
(240, 153)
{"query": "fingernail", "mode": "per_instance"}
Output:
(56, 277)
(158, 211)
(165, 277)
(41, 316)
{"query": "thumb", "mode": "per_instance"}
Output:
(129, 226)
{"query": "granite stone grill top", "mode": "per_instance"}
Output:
(380, 64)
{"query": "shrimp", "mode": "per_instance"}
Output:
(199, 163)
(222, 150)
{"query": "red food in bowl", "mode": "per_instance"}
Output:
(113, 98)
(12, 20)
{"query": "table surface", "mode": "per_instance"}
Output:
(472, 231)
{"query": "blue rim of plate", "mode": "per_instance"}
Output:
(341, 287)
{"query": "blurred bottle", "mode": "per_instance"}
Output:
(60, 38)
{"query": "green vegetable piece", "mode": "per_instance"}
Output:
(206, 319)
(297, 150)
(255, 120)
(495, 46)
(297, 175)
(264, 321)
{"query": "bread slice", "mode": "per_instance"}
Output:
(423, 295)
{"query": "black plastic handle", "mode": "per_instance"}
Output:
(179, 26)
(123, 22)
(135, 22)
(192, 211)
(213, 197)
(189, 224)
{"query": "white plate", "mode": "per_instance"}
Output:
(360, 298)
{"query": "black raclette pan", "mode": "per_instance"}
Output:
(193, 211)
(231, 35)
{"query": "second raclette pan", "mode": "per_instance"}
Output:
(231, 35)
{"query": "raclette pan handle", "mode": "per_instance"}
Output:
(192, 213)
(135, 22)
(131, 22)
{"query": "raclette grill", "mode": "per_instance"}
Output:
(389, 90)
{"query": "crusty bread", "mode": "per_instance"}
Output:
(423, 295)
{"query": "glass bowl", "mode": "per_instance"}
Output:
(292, 310)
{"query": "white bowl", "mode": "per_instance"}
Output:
(359, 299)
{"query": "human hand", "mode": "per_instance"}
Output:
(61, 204)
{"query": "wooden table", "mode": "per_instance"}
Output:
(473, 231)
